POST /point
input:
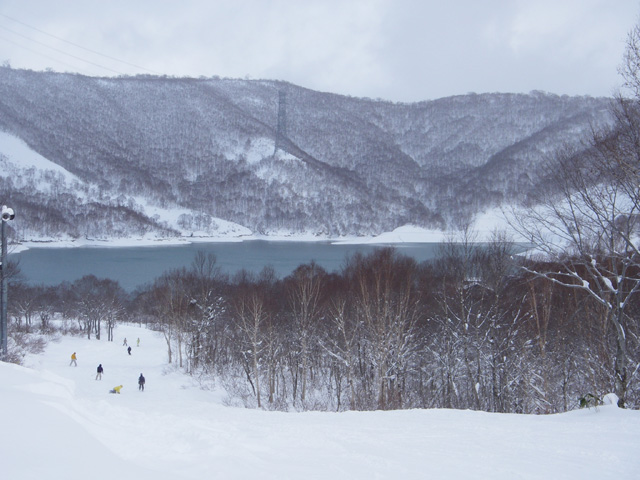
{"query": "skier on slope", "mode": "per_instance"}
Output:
(99, 374)
(73, 359)
(116, 389)
(141, 382)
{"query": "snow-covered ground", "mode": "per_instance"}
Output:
(59, 422)
(17, 154)
(405, 234)
(485, 226)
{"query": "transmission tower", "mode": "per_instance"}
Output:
(281, 131)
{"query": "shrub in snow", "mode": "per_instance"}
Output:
(19, 344)
(589, 400)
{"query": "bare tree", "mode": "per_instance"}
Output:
(386, 304)
(304, 292)
(341, 344)
(250, 316)
(169, 303)
(478, 341)
(95, 300)
(587, 224)
(461, 328)
(205, 285)
(630, 68)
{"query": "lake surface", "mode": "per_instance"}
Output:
(137, 266)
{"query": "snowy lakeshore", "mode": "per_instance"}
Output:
(482, 231)
(61, 422)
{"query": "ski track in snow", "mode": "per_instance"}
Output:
(62, 423)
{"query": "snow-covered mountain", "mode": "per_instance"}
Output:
(158, 156)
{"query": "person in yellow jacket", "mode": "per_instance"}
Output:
(116, 389)
(73, 359)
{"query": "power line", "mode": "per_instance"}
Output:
(61, 51)
(75, 45)
(74, 67)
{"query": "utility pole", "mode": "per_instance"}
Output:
(7, 214)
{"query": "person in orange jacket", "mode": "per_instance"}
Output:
(73, 359)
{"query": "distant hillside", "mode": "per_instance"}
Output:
(173, 156)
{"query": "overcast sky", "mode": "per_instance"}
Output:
(399, 50)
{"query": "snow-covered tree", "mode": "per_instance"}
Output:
(305, 297)
(385, 303)
(588, 224)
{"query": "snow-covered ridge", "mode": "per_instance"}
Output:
(15, 153)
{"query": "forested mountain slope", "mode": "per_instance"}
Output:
(203, 149)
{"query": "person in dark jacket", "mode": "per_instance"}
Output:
(129, 350)
(99, 374)
(141, 381)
